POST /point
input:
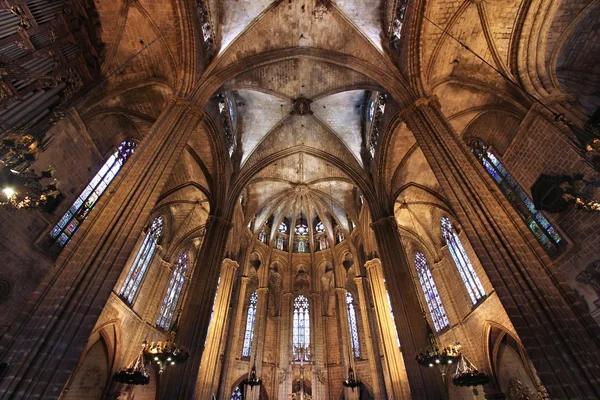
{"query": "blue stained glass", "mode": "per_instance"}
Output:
(432, 297)
(142, 260)
(535, 220)
(355, 342)
(249, 331)
(169, 306)
(237, 394)
(62, 239)
(301, 322)
(462, 262)
(76, 215)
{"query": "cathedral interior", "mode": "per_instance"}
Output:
(299, 199)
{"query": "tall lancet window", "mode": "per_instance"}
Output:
(463, 264)
(169, 306)
(535, 220)
(301, 323)
(353, 325)
(249, 333)
(79, 211)
(432, 297)
(141, 262)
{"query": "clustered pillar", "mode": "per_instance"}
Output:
(538, 301)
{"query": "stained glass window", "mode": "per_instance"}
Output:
(544, 232)
(237, 394)
(463, 264)
(249, 333)
(353, 325)
(301, 322)
(301, 228)
(432, 297)
(141, 262)
(80, 209)
(169, 306)
(283, 227)
(320, 227)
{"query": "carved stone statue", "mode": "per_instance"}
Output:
(302, 281)
(275, 287)
(328, 290)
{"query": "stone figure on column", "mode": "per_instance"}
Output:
(328, 290)
(275, 286)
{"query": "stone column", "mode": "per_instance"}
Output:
(378, 388)
(285, 343)
(258, 341)
(43, 351)
(560, 338)
(235, 331)
(397, 374)
(207, 376)
(344, 333)
(180, 382)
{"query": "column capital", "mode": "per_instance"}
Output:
(262, 290)
(229, 263)
(184, 102)
(390, 219)
(213, 219)
(375, 262)
(422, 102)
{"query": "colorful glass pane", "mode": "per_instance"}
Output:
(301, 322)
(544, 232)
(432, 297)
(462, 262)
(353, 325)
(80, 209)
(142, 260)
(237, 394)
(169, 306)
(320, 227)
(249, 332)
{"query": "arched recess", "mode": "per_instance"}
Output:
(364, 393)
(496, 128)
(507, 361)
(238, 384)
(92, 377)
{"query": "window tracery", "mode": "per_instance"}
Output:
(462, 262)
(432, 297)
(142, 260)
(320, 227)
(301, 322)
(537, 223)
(80, 209)
(353, 325)
(237, 394)
(169, 306)
(249, 331)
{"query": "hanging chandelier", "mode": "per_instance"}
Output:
(468, 375)
(24, 190)
(436, 355)
(135, 373)
(352, 382)
(252, 380)
(167, 352)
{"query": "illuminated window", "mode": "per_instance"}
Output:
(353, 326)
(237, 394)
(301, 229)
(432, 297)
(283, 227)
(535, 220)
(79, 211)
(463, 264)
(320, 227)
(141, 262)
(301, 322)
(250, 319)
(169, 306)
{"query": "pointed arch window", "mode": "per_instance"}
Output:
(301, 322)
(80, 209)
(250, 319)
(169, 306)
(463, 264)
(141, 262)
(432, 297)
(353, 325)
(541, 228)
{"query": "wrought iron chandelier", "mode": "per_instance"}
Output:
(135, 373)
(352, 382)
(468, 375)
(24, 190)
(252, 380)
(167, 352)
(436, 355)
